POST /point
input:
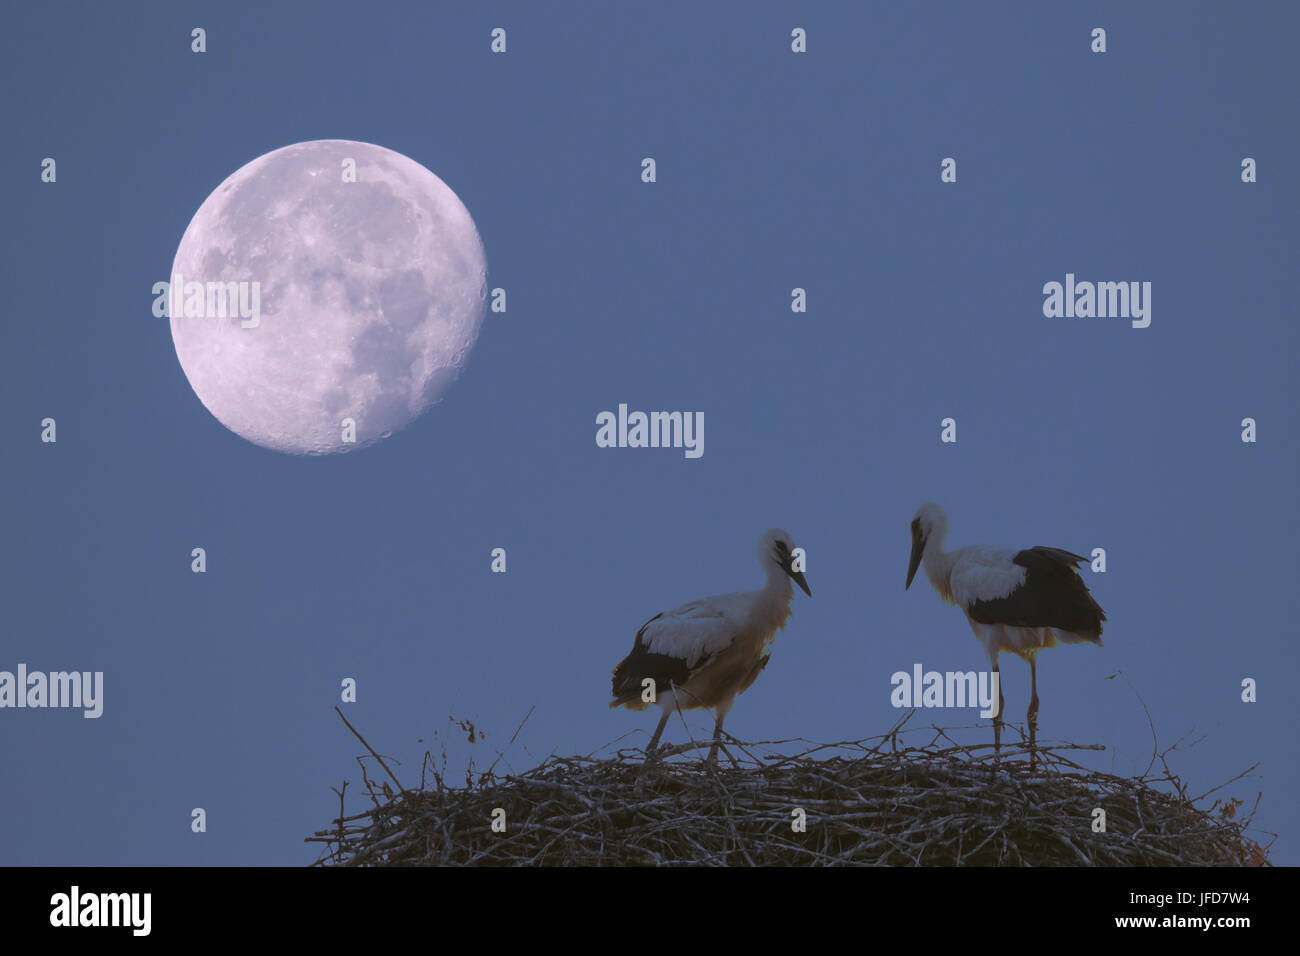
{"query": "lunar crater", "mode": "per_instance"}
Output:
(372, 294)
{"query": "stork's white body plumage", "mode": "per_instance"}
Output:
(1017, 601)
(967, 577)
(705, 653)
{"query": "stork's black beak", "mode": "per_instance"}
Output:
(918, 546)
(799, 579)
(785, 559)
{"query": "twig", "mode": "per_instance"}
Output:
(400, 788)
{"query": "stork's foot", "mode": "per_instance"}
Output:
(997, 722)
(712, 759)
(653, 756)
(651, 770)
(718, 745)
(1032, 721)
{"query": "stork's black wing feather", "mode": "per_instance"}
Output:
(640, 664)
(1052, 595)
(1068, 558)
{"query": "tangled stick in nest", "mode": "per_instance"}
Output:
(873, 801)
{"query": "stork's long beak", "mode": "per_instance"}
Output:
(785, 560)
(918, 546)
(799, 579)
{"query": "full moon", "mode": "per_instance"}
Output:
(326, 283)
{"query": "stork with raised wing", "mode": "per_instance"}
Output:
(705, 653)
(1017, 601)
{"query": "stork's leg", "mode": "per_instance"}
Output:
(1032, 717)
(721, 710)
(652, 748)
(717, 735)
(651, 753)
(997, 718)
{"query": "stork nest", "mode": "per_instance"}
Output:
(879, 801)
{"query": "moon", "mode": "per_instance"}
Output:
(360, 300)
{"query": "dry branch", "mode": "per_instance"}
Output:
(873, 801)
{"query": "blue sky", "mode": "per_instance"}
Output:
(775, 170)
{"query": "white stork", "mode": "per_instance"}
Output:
(705, 653)
(1017, 601)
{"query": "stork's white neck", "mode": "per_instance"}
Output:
(778, 584)
(938, 564)
(772, 606)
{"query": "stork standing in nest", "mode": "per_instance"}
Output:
(1017, 601)
(705, 653)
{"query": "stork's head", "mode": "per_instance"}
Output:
(928, 523)
(778, 546)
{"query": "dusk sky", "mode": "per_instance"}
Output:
(775, 170)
